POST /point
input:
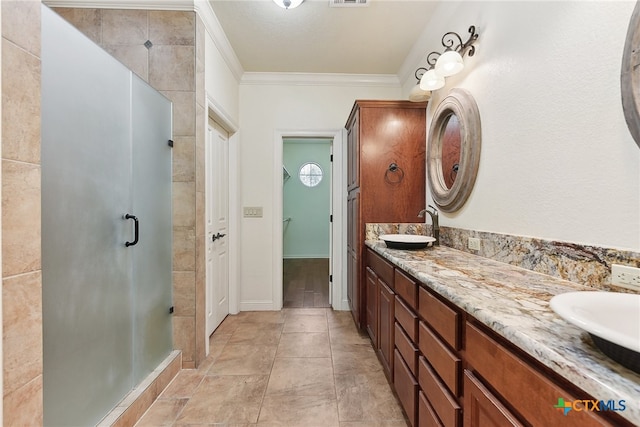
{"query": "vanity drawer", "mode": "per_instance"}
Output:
(406, 387)
(426, 416)
(446, 364)
(407, 349)
(443, 403)
(443, 320)
(520, 384)
(406, 288)
(407, 319)
(381, 267)
(482, 408)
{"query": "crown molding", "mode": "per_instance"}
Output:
(320, 79)
(212, 25)
(124, 4)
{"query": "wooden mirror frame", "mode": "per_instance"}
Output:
(461, 103)
(630, 76)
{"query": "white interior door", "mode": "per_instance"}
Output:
(217, 214)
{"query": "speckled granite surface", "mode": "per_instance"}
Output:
(514, 302)
(584, 264)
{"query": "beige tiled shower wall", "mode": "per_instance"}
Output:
(21, 259)
(170, 66)
(174, 65)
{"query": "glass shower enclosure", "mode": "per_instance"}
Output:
(106, 227)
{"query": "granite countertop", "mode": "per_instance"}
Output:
(514, 302)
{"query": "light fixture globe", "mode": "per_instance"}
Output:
(431, 80)
(419, 95)
(288, 4)
(449, 63)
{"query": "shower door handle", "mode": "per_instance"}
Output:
(136, 228)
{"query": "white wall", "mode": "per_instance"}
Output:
(220, 83)
(223, 99)
(557, 160)
(266, 109)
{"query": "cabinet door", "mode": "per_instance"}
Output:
(483, 409)
(386, 327)
(353, 254)
(372, 306)
(353, 153)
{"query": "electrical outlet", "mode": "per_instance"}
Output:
(252, 211)
(625, 276)
(474, 243)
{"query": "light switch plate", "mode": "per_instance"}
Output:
(252, 211)
(474, 243)
(625, 276)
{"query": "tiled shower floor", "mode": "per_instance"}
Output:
(296, 367)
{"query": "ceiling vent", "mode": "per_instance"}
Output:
(349, 3)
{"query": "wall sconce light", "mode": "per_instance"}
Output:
(443, 64)
(288, 4)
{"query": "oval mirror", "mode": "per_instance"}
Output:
(453, 155)
(630, 76)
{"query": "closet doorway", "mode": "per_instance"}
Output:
(307, 226)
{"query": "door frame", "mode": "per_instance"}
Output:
(217, 113)
(338, 201)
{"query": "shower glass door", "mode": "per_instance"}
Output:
(151, 203)
(105, 154)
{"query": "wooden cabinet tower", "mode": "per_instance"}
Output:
(386, 145)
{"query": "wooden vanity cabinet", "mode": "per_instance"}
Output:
(386, 331)
(482, 408)
(518, 383)
(380, 133)
(380, 309)
(448, 369)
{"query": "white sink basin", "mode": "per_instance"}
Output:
(609, 317)
(406, 241)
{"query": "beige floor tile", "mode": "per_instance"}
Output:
(340, 318)
(366, 397)
(305, 323)
(305, 376)
(299, 367)
(228, 325)
(162, 413)
(256, 334)
(183, 385)
(304, 344)
(398, 423)
(305, 312)
(302, 411)
(346, 333)
(243, 359)
(225, 399)
(349, 359)
(261, 316)
(216, 425)
(216, 346)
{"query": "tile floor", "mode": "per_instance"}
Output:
(296, 367)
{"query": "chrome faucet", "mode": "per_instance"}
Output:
(434, 221)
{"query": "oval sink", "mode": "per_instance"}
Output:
(611, 318)
(406, 241)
